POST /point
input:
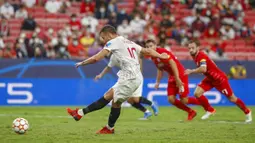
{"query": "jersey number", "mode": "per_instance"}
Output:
(131, 52)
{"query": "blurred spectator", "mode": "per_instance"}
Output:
(198, 25)
(210, 10)
(228, 17)
(4, 27)
(166, 22)
(137, 24)
(245, 31)
(64, 6)
(90, 22)
(124, 29)
(113, 20)
(87, 40)
(2, 45)
(50, 52)
(63, 53)
(165, 7)
(227, 32)
(29, 3)
(215, 22)
(112, 6)
(8, 51)
(75, 48)
(66, 31)
(199, 6)
(121, 16)
(15, 4)
(29, 23)
(75, 23)
(7, 10)
(237, 71)
(236, 7)
(211, 32)
(87, 6)
(21, 12)
(53, 6)
(38, 53)
(20, 53)
(94, 49)
(101, 13)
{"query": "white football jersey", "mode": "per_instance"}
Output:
(126, 57)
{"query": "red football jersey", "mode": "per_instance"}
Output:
(212, 72)
(164, 64)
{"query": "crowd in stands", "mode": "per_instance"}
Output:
(69, 28)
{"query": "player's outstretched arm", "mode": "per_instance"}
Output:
(159, 77)
(201, 69)
(176, 73)
(99, 56)
(153, 53)
(105, 70)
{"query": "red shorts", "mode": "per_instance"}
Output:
(222, 86)
(172, 90)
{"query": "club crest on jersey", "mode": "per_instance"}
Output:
(108, 44)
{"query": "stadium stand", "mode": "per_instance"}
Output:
(225, 30)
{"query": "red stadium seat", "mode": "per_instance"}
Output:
(239, 42)
(251, 57)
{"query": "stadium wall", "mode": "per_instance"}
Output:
(34, 82)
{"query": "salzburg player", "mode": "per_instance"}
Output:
(214, 78)
(137, 97)
(177, 81)
(130, 76)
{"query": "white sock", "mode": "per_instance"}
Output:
(147, 111)
(109, 127)
(80, 112)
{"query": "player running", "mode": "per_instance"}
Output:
(130, 76)
(214, 78)
(137, 97)
(177, 81)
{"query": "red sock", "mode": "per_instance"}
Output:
(182, 106)
(204, 102)
(193, 100)
(242, 106)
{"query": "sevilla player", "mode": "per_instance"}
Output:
(214, 78)
(177, 81)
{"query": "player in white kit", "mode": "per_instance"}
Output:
(136, 99)
(130, 76)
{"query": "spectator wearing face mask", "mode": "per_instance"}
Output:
(2, 45)
(124, 29)
(29, 23)
(87, 40)
(122, 15)
(75, 48)
(20, 53)
(112, 6)
(211, 33)
(90, 22)
(21, 12)
(7, 10)
(101, 13)
(227, 32)
(245, 31)
(137, 24)
(75, 23)
(53, 6)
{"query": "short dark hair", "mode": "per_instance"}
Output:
(193, 41)
(108, 28)
(150, 41)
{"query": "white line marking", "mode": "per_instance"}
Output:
(34, 116)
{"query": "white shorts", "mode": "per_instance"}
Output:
(126, 89)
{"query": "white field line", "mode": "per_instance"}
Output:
(58, 116)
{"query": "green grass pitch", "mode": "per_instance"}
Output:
(52, 125)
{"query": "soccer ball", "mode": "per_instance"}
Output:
(20, 125)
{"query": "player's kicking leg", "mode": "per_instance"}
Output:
(77, 114)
